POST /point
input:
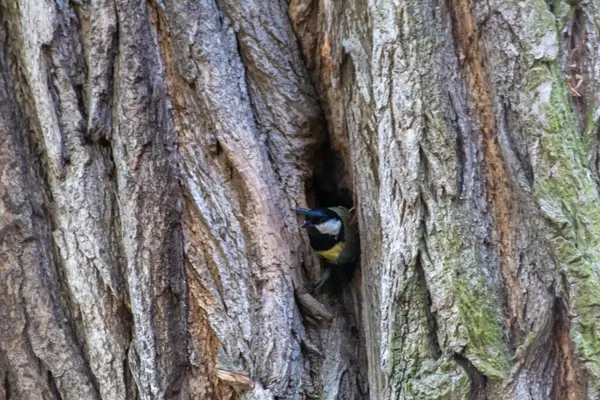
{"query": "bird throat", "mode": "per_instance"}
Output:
(322, 242)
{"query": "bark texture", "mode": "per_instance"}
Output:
(150, 152)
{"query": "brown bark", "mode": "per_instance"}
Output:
(150, 153)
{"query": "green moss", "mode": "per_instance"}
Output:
(543, 20)
(564, 14)
(589, 132)
(480, 323)
(440, 380)
(534, 338)
(482, 326)
(474, 326)
(568, 197)
(415, 372)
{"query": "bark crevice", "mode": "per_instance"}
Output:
(150, 153)
(5, 393)
(431, 318)
(566, 385)
(477, 379)
(52, 385)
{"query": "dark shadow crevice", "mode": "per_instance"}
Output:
(566, 385)
(432, 326)
(477, 379)
(331, 184)
(52, 385)
(5, 394)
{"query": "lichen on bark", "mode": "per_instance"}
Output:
(151, 152)
(568, 197)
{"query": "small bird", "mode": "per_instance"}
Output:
(333, 235)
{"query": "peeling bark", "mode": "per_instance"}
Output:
(150, 153)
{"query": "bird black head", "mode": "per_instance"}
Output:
(324, 220)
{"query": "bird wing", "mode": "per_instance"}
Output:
(341, 211)
(352, 242)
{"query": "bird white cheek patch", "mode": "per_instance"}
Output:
(331, 227)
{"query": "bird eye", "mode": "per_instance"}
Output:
(321, 220)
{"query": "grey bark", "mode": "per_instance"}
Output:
(150, 153)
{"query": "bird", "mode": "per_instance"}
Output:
(333, 235)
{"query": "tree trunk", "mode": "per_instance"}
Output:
(150, 153)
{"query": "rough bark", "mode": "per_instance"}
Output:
(150, 153)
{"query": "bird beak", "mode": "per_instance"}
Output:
(307, 224)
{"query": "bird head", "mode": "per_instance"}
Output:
(324, 220)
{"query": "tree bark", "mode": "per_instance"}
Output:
(150, 153)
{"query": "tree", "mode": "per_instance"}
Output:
(150, 153)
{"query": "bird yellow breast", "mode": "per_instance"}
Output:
(333, 253)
